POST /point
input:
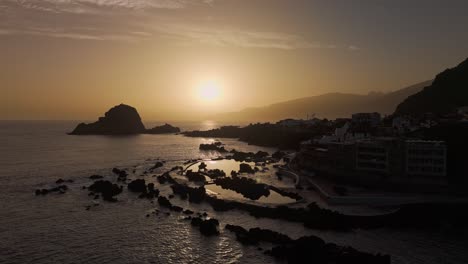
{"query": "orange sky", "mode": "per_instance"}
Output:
(75, 59)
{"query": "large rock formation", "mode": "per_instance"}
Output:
(119, 120)
(164, 129)
(448, 92)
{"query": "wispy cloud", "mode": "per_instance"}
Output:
(134, 20)
(353, 48)
(189, 35)
(91, 6)
(61, 33)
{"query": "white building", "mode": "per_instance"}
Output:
(426, 159)
(373, 155)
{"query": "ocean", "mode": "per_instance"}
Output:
(57, 229)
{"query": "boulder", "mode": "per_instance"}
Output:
(122, 174)
(95, 177)
(138, 185)
(107, 189)
(207, 227)
(164, 202)
(246, 168)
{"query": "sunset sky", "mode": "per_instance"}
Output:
(182, 59)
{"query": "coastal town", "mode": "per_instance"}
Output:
(365, 171)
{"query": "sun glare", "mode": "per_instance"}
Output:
(209, 91)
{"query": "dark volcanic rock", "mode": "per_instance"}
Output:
(95, 177)
(310, 249)
(216, 146)
(249, 188)
(216, 173)
(278, 155)
(59, 181)
(194, 176)
(195, 195)
(106, 188)
(60, 189)
(256, 235)
(138, 185)
(164, 129)
(158, 164)
(260, 156)
(162, 179)
(207, 227)
(313, 249)
(164, 202)
(122, 175)
(202, 166)
(246, 168)
(119, 120)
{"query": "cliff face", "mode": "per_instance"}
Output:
(119, 120)
(448, 92)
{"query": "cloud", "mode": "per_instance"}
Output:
(93, 6)
(353, 48)
(135, 20)
(60, 33)
(189, 35)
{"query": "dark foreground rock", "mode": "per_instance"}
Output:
(107, 189)
(256, 235)
(215, 173)
(119, 120)
(58, 189)
(164, 202)
(194, 176)
(310, 249)
(259, 156)
(138, 185)
(164, 129)
(216, 146)
(146, 191)
(208, 227)
(122, 174)
(246, 168)
(249, 188)
(195, 195)
(157, 165)
(96, 177)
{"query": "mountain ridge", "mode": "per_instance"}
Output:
(329, 105)
(448, 92)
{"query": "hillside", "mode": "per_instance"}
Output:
(331, 105)
(448, 92)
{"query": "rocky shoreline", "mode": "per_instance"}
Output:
(283, 247)
(268, 135)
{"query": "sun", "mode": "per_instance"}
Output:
(209, 91)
